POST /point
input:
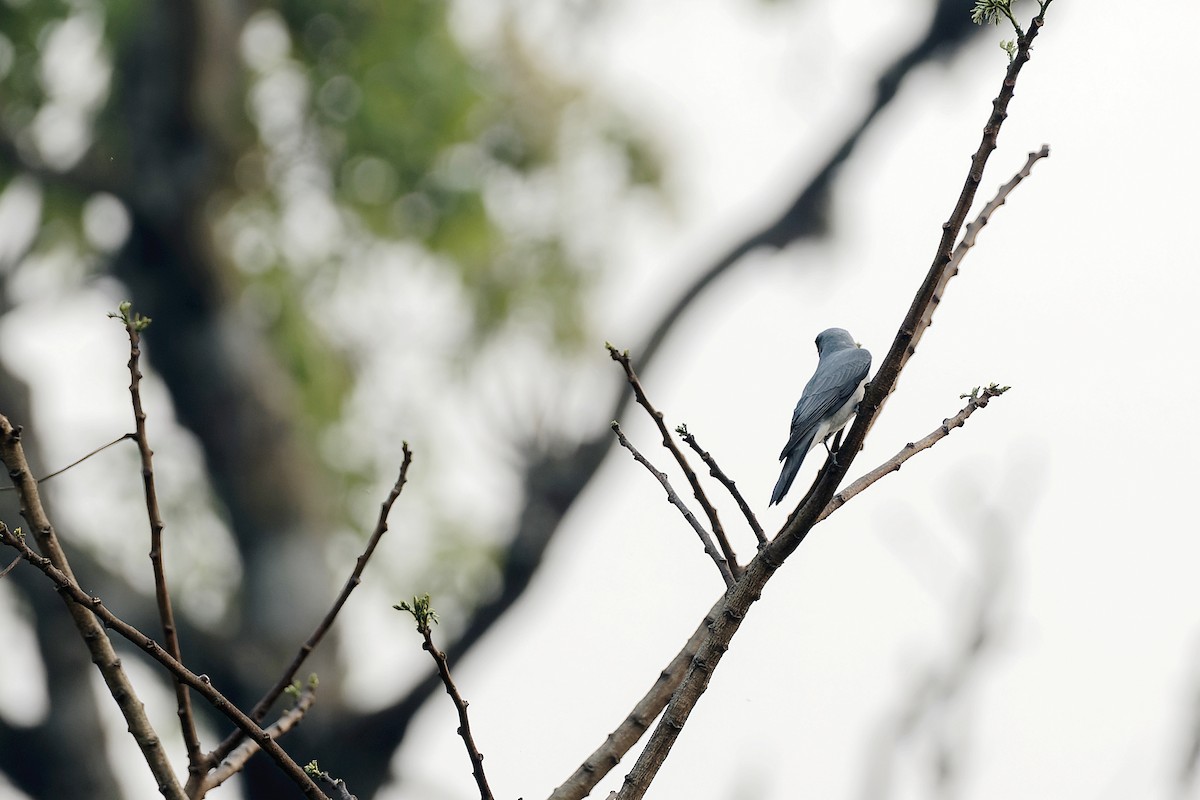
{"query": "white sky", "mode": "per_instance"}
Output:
(1080, 295)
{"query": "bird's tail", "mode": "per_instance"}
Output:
(791, 466)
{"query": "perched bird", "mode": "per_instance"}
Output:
(830, 398)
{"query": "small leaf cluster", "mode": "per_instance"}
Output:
(421, 611)
(992, 390)
(136, 321)
(986, 11)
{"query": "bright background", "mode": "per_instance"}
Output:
(1064, 508)
(1060, 515)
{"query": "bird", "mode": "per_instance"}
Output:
(830, 398)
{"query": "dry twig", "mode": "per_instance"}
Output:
(977, 399)
(76, 462)
(728, 482)
(426, 618)
(289, 674)
(93, 606)
(235, 762)
(134, 325)
(623, 359)
(674, 499)
(90, 630)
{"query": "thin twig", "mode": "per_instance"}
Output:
(977, 400)
(70, 590)
(12, 564)
(426, 618)
(464, 724)
(951, 267)
(235, 762)
(970, 234)
(738, 600)
(728, 482)
(289, 674)
(623, 359)
(134, 325)
(984, 217)
(76, 462)
(676, 501)
(79, 461)
(12, 453)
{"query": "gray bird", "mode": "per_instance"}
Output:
(830, 398)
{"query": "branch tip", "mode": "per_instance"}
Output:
(421, 611)
(135, 323)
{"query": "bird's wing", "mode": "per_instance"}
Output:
(835, 381)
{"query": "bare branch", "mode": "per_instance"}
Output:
(426, 618)
(74, 594)
(235, 762)
(729, 484)
(623, 359)
(676, 501)
(947, 270)
(985, 216)
(134, 325)
(749, 587)
(90, 630)
(977, 400)
(289, 674)
(968, 241)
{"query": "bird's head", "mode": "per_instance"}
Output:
(834, 339)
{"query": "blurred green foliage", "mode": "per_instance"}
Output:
(405, 137)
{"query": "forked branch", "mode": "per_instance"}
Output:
(620, 741)
(235, 762)
(90, 630)
(748, 589)
(93, 606)
(623, 359)
(261, 708)
(975, 401)
(674, 499)
(716, 471)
